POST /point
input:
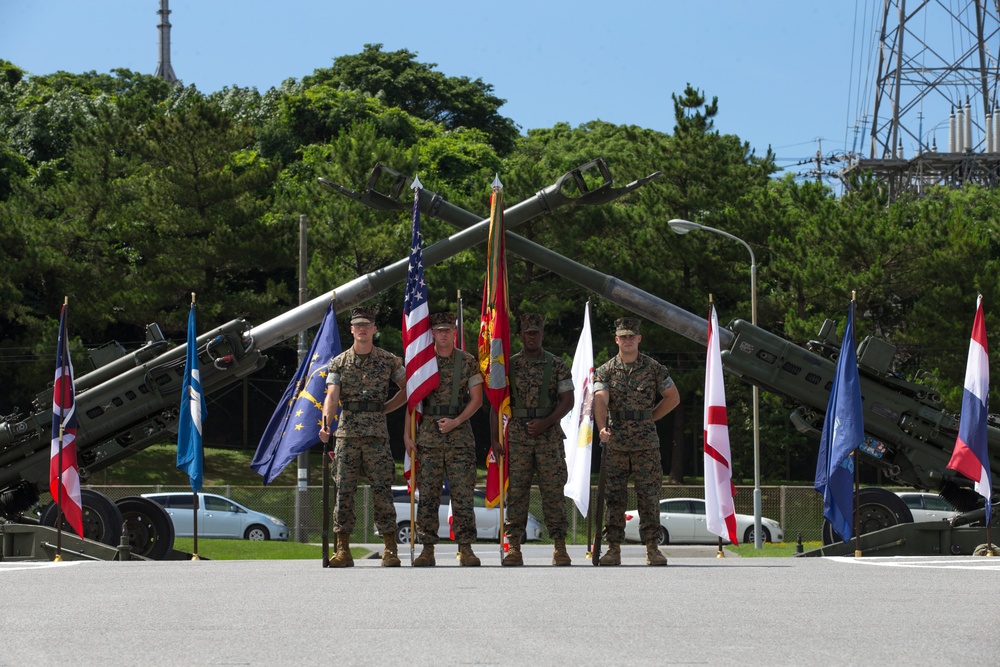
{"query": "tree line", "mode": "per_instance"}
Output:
(126, 193)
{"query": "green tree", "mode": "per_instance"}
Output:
(398, 80)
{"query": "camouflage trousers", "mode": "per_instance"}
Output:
(372, 456)
(549, 459)
(458, 463)
(647, 478)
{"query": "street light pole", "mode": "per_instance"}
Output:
(302, 488)
(683, 227)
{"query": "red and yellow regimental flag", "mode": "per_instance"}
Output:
(494, 340)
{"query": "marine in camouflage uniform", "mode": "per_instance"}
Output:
(631, 391)
(541, 388)
(445, 445)
(357, 379)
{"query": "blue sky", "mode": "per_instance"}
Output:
(782, 69)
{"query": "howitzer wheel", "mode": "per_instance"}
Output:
(148, 526)
(878, 509)
(102, 522)
(14, 501)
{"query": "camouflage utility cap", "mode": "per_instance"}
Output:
(532, 322)
(443, 320)
(627, 326)
(362, 315)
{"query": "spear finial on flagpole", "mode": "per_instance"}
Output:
(416, 183)
(496, 184)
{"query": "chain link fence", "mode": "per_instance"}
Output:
(799, 509)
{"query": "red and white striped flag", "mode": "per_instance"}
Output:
(64, 483)
(719, 508)
(421, 363)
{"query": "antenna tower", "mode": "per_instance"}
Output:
(164, 69)
(937, 71)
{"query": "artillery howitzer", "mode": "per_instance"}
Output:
(909, 436)
(131, 401)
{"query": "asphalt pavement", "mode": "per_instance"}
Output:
(699, 610)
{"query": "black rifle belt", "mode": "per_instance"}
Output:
(531, 413)
(631, 415)
(364, 406)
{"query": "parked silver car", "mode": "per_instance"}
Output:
(683, 521)
(487, 520)
(927, 506)
(218, 516)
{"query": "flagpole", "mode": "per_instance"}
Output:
(325, 532)
(720, 553)
(857, 459)
(500, 459)
(413, 485)
(59, 460)
(460, 328)
(195, 503)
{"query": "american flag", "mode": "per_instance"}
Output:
(421, 362)
(64, 483)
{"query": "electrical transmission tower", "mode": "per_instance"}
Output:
(937, 68)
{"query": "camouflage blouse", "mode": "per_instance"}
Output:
(468, 367)
(633, 391)
(363, 382)
(526, 376)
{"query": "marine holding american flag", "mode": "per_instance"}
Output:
(445, 444)
(358, 379)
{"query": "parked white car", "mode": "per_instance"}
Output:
(682, 521)
(487, 520)
(927, 506)
(218, 516)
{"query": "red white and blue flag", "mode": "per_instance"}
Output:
(64, 472)
(421, 363)
(719, 508)
(970, 454)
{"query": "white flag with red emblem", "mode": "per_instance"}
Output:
(719, 508)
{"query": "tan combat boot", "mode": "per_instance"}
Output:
(390, 557)
(653, 555)
(343, 557)
(466, 557)
(426, 557)
(513, 556)
(559, 555)
(614, 555)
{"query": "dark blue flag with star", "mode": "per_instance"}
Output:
(843, 432)
(295, 424)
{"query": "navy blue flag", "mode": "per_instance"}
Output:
(843, 432)
(190, 457)
(295, 424)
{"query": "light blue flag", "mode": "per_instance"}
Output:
(190, 457)
(843, 432)
(295, 424)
